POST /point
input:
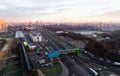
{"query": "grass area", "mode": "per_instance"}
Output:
(34, 73)
(19, 73)
(15, 67)
(2, 44)
(12, 68)
(56, 70)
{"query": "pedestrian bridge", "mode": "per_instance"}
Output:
(68, 51)
(57, 53)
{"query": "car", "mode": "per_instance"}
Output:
(99, 69)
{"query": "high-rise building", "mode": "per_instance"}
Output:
(3, 26)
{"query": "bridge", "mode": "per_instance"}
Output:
(68, 51)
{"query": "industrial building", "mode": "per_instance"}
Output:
(36, 37)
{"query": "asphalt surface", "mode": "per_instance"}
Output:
(79, 66)
(73, 67)
(96, 63)
(112, 68)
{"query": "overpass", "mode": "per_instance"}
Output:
(68, 51)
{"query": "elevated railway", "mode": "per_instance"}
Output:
(26, 68)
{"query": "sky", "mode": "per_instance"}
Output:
(60, 10)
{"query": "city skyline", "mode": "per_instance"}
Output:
(60, 10)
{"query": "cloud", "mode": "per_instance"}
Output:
(26, 9)
(113, 14)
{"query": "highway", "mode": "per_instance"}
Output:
(72, 66)
(52, 42)
(93, 63)
(96, 64)
(113, 68)
(80, 66)
(109, 66)
(88, 63)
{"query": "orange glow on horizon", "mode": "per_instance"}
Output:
(3, 26)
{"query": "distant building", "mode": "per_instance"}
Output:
(3, 26)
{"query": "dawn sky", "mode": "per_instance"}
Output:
(60, 10)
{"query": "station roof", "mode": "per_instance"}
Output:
(19, 34)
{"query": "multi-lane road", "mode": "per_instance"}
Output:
(79, 65)
(83, 64)
(72, 66)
